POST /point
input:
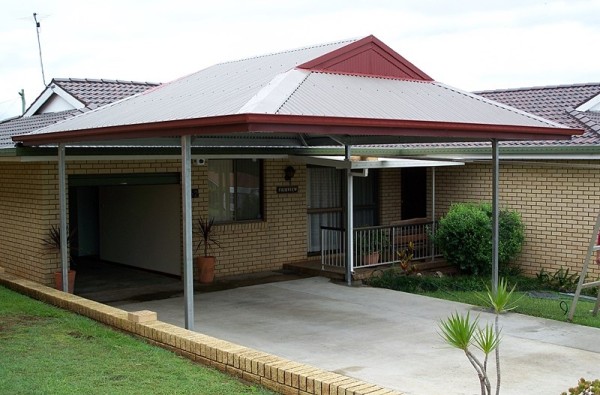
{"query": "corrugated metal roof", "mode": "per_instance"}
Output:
(221, 89)
(324, 94)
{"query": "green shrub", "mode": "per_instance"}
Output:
(585, 387)
(464, 236)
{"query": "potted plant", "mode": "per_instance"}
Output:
(370, 245)
(205, 264)
(52, 243)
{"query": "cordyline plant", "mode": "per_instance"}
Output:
(462, 332)
(207, 235)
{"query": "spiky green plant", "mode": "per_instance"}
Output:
(205, 230)
(461, 332)
(500, 302)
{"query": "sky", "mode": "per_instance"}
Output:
(469, 44)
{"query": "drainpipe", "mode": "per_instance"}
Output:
(349, 219)
(186, 197)
(495, 213)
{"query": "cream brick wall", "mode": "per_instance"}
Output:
(29, 207)
(558, 202)
(27, 203)
(389, 196)
(558, 205)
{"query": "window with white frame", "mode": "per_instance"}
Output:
(235, 190)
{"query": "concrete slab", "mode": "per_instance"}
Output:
(386, 337)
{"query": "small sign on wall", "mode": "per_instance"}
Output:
(288, 189)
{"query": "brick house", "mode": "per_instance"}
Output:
(555, 185)
(244, 124)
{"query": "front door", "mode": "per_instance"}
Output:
(414, 192)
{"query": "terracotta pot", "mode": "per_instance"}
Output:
(205, 269)
(371, 259)
(58, 280)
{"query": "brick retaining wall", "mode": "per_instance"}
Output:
(275, 373)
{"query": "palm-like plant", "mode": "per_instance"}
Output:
(205, 230)
(500, 302)
(461, 332)
(52, 239)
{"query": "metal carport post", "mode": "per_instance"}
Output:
(62, 206)
(186, 199)
(495, 213)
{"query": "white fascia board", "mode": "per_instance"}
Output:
(486, 157)
(270, 98)
(339, 162)
(591, 105)
(47, 94)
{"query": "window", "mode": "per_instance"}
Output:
(235, 192)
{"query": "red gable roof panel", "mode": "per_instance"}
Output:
(368, 56)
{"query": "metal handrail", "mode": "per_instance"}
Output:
(377, 245)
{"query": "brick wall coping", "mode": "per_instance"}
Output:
(277, 374)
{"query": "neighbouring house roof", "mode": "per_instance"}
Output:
(355, 88)
(64, 98)
(559, 104)
(21, 125)
(84, 92)
(575, 106)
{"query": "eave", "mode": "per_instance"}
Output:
(313, 125)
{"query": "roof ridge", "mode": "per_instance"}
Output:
(350, 40)
(540, 87)
(582, 118)
(104, 80)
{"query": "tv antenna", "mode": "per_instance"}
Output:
(37, 29)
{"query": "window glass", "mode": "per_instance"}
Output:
(234, 190)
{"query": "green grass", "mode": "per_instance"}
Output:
(46, 350)
(471, 290)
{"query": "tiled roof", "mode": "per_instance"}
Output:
(556, 103)
(93, 93)
(21, 125)
(99, 92)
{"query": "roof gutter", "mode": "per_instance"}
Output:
(319, 125)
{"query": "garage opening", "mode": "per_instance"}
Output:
(128, 219)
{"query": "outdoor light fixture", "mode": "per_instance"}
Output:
(289, 173)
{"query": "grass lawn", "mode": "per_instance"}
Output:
(471, 290)
(46, 350)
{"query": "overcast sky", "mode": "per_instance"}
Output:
(469, 44)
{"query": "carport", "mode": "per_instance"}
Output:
(337, 99)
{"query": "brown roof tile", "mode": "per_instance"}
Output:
(99, 92)
(21, 125)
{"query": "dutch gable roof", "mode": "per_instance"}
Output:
(352, 87)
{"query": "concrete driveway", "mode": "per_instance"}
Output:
(387, 337)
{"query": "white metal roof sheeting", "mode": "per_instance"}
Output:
(324, 94)
(221, 89)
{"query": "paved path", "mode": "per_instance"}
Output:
(387, 337)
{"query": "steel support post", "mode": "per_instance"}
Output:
(186, 197)
(495, 212)
(349, 219)
(432, 212)
(62, 205)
